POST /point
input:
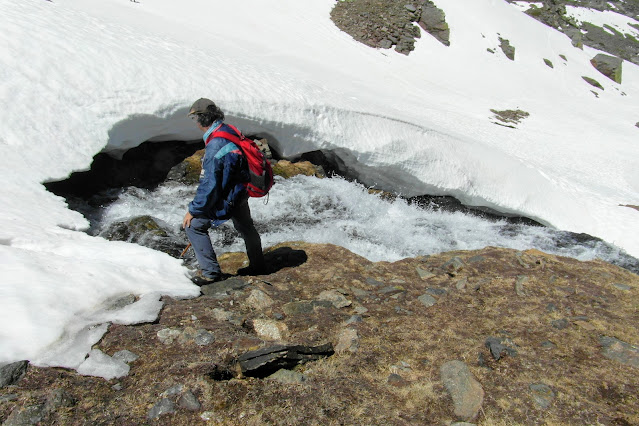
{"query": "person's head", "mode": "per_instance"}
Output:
(205, 112)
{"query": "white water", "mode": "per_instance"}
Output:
(344, 213)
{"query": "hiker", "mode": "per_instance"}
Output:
(221, 195)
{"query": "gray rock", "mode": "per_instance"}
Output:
(620, 286)
(224, 287)
(119, 302)
(162, 407)
(397, 381)
(8, 397)
(336, 298)
(168, 335)
(424, 274)
(354, 319)
(189, 401)
(374, 282)
(11, 373)
(173, 390)
(592, 82)
(204, 337)
(508, 50)
(288, 376)
(542, 395)
(560, 324)
(453, 266)
(297, 308)
(461, 284)
(433, 21)
(620, 351)
(27, 416)
(411, 8)
(610, 66)
(58, 398)
(348, 340)
(464, 389)
(548, 345)
(519, 285)
(436, 291)
(264, 362)
(125, 356)
(386, 44)
(259, 300)
(427, 300)
(498, 349)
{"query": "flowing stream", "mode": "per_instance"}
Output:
(334, 210)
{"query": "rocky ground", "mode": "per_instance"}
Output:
(492, 337)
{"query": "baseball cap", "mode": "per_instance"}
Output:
(200, 106)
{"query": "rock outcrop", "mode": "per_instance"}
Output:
(610, 66)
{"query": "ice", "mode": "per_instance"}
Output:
(101, 365)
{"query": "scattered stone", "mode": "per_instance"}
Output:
(436, 291)
(117, 387)
(617, 350)
(513, 117)
(264, 362)
(11, 373)
(204, 337)
(464, 389)
(360, 310)
(551, 307)
(259, 300)
(498, 349)
(560, 324)
(461, 284)
(223, 288)
(411, 8)
(391, 290)
(397, 381)
(374, 282)
(354, 319)
(620, 286)
(348, 340)
(548, 345)
(519, 285)
(610, 66)
(189, 401)
(288, 376)
(549, 63)
(270, 329)
(427, 300)
(453, 266)
(125, 356)
(168, 335)
(58, 398)
(508, 50)
(542, 395)
(296, 308)
(162, 407)
(423, 274)
(592, 82)
(31, 415)
(221, 315)
(337, 299)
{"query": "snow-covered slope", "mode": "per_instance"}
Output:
(78, 77)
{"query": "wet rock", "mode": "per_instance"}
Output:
(348, 340)
(542, 395)
(620, 351)
(162, 407)
(337, 299)
(288, 376)
(148, 232)
(286, 169)
(119, 302)
(11, 373)
(268, 329)
(266, 361)
(464, 389)
(610, 66)
(189, 401)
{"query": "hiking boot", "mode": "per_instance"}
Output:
(199, 279)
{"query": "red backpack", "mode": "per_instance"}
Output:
(259, 167)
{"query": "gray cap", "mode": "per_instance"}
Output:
(200, 106)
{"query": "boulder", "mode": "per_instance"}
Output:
(146, 231)
(188, 171)
(433, 21)
(286, 169)
(466, 392)
(11, 373)
(508, 50)
(610, 66)
(266, 361)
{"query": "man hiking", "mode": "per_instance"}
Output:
(221, 195)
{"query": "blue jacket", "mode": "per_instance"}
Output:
(224, 172)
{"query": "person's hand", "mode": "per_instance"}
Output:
(186, 222)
